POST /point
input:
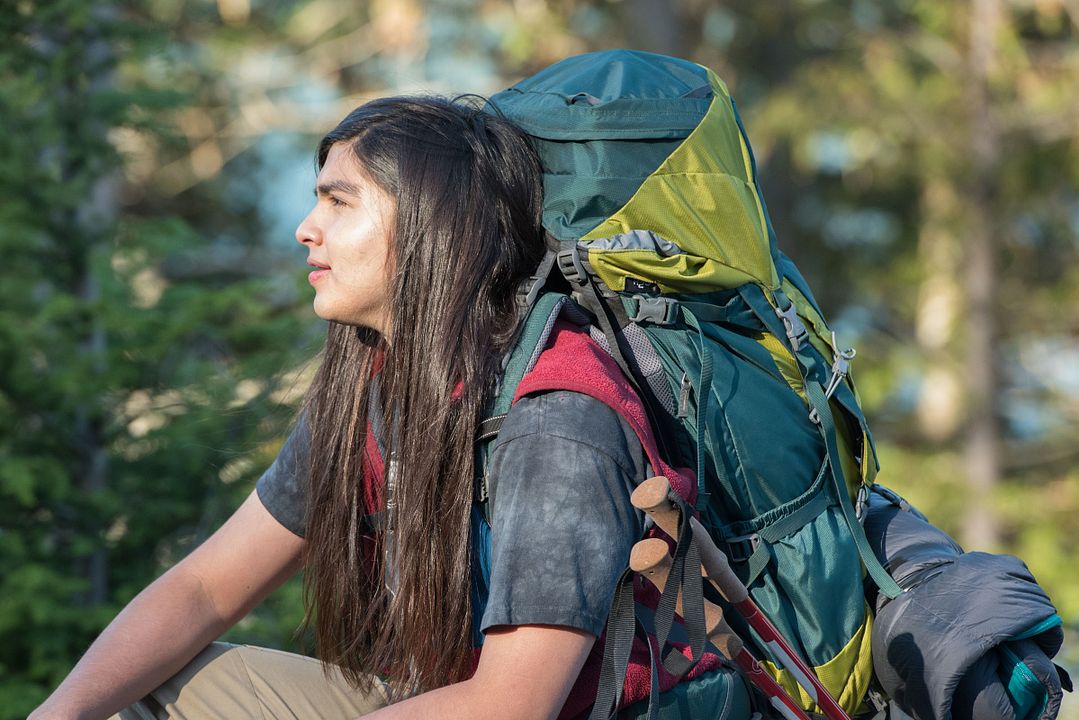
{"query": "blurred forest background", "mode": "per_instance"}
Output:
(920, 159)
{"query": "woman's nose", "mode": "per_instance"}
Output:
(308, 231)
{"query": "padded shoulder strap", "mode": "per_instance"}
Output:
(574, 361)
(530, 343)
(531, 340)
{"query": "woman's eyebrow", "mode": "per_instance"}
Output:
(341, 186)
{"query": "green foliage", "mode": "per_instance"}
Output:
(135, 402)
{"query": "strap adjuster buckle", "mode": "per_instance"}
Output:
(569, 262)
(796, 329)
(741, 548)
(655, 310)
(531, 288)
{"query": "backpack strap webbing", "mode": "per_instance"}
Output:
(684, 583)
(611, 317)
(622, 625)
(489, 428)
(779, 318)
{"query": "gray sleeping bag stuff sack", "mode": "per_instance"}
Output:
(972, 636)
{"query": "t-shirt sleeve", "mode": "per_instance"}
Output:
(282, 488)
(563, 525)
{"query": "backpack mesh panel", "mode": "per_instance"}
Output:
(643, 356)
(546, 334)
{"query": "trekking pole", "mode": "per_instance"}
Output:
(651, 496)
(650, 559)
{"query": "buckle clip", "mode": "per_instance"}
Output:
(531, 288)
(861, 502)
(655, 310)
(840, 369)
(796, 329)
(569, 262)
(741, 548)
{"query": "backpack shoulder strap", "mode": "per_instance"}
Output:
(557, 355)
(574, 361)
(532, 338)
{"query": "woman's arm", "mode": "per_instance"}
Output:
(180, 613)
(525, 673)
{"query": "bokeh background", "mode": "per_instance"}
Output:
(920, 159)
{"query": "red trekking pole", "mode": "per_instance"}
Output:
(651, 496)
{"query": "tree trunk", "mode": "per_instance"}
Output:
(940, 297)
(88, 225)
(981, 375)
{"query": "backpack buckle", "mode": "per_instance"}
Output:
(655, 310)
(569, 262)
(796, 329)
(741, 548)
(481, 491)
(840, 369)
(861, 502)
(531, 288)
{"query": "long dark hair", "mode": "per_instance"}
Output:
(467, 233)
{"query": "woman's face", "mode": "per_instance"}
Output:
(347, 236)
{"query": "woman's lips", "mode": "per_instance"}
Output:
(319, 271)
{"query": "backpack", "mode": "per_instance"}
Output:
(664, 242)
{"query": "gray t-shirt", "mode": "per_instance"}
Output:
(562, 471)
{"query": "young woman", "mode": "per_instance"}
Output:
(426, 222)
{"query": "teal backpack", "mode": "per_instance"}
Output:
(663, 237)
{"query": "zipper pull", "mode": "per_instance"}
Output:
(683, 397)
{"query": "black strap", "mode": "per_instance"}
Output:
(591, 298)
(653, 690)
(685, 578)
(489, 428)
(485, 434)
(621, 626)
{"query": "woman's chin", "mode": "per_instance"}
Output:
(326, 311)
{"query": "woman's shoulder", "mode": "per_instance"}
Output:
(560, 416)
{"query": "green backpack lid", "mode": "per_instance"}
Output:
(645, 165)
